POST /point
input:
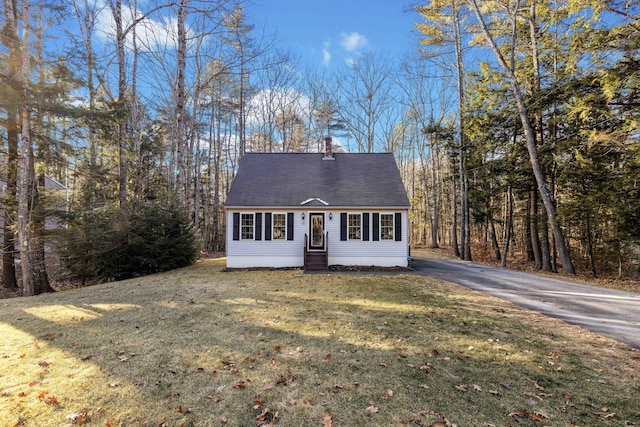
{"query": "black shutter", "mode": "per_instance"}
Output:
(267, 226)
(236, 226)
(376, 226)
(258, 234)
(289, 225)
(343, 226)
(398, 227)
(365, 226)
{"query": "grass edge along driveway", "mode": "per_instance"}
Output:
(201, 347)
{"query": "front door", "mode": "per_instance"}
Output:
(316, 231)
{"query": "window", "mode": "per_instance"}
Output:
(279, 226)
(355, 221)
(246, 228)
(386, 226)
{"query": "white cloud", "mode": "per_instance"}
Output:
(151, 34)
(269, 102)
(326, 55)
(353, 41)
(350, 61)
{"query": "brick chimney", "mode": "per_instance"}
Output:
(328, 149)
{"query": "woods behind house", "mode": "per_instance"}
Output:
(513, 122)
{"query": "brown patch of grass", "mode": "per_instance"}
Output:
(201, 347)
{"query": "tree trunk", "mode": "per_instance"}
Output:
(24, 185)
(465, 226)
(565, 257)
(533, 228)
(8, 245)
(454, 214)
(590, 252)
(123, 107)
(494, 240)
(435, 203)
(40, 277)
(508, 226)
(180, 111)
(545, 259)
(467, 222)
(11, 40)
(545, 247)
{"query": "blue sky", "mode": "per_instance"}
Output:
(329, 32)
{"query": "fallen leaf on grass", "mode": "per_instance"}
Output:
(476, 387)
(373, 409)
(388, 395)
(80, 418)
(327, 419)
(444, 422)
(266, 418)
(286, 379)
(521, 413)
(462, 387)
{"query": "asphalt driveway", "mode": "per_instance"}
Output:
(608, 312)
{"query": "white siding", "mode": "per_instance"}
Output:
(290, 253)
(266, 253)
(383, 253)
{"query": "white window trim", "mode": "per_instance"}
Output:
(349, 215)
(273, 225)
(393, 227)
(253, 231)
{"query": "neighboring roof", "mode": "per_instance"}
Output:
(306, 180)
(49, 183)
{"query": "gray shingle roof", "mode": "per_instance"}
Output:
(288, 180)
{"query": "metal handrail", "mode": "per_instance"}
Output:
(326, 248)
(305, 250)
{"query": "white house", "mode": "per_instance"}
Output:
(314, 210)
(49, 185)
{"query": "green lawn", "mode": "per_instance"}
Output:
(203, 347)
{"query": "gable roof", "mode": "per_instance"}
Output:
(309, 180)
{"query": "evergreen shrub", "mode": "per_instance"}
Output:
(153, 239)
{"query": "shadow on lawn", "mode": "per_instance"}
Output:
(200, 347)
